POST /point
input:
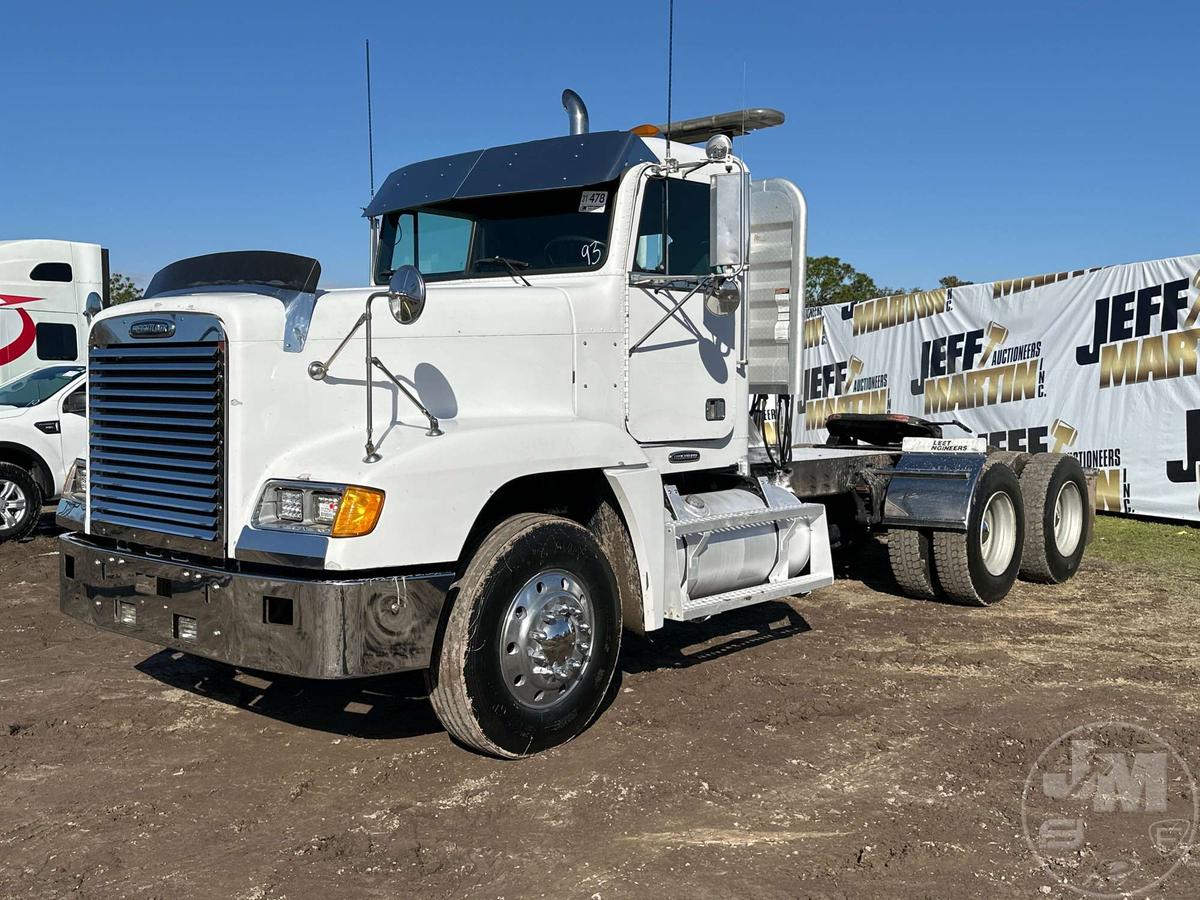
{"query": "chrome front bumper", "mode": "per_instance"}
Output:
(296, 624)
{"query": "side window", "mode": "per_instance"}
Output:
(436, 244)
(681, 248)
(442, 243)
(398, 234)
(56, 342)
(51, 271)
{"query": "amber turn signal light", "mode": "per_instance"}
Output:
(358, 513)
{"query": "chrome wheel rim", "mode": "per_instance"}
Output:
(12, 504)
(1068, 518)
(546, 639)
(998, 533)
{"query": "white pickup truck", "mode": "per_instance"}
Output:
(43, 429)
(49, 291)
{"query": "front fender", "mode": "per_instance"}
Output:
(437, 486)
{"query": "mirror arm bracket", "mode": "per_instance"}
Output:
(434, 427)
(703, 282)
(317, 370)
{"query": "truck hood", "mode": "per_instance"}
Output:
(12, 412)
(454, 309)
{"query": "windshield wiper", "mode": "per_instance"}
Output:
(511, 264)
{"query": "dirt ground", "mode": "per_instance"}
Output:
(846, 744)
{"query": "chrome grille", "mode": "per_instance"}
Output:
(156, 466)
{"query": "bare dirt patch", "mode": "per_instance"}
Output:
(850, 743)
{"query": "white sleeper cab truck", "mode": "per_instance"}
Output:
(532, 431)
(43, 429)
(48, 292)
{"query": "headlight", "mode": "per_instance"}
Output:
(338, 510)
(76, 483)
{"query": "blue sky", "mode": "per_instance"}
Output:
(986, 140)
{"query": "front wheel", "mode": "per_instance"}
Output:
(531, 643)
(20, 502)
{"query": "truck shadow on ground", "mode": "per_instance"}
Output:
(45, 527)
(866, 560)
(681, 645)
(387, 707)
(382, 707)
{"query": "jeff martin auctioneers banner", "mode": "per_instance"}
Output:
(1098, 363)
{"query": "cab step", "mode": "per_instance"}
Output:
(760, 593)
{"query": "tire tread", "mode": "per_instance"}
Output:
(952, 560)
(1036, 479)
(910, 553)
(448, 690)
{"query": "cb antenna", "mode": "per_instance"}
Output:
(370, 123)
(374, 222)
(670, 66)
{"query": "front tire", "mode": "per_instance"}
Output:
(979, 566)
(20, 502)
(1058, 517)
(532, 640)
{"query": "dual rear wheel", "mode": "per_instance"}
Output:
(1035, 524)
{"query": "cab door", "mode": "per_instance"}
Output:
(682, 362)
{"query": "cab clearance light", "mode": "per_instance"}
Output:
(358, 513)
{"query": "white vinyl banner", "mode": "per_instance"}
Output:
(1097, 363)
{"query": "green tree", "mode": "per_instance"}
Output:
(952, 281)
(831, 281)
(121, 289)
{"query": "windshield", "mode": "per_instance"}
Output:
(36, 387)
(547, 231)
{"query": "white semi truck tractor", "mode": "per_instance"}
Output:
(531, 432)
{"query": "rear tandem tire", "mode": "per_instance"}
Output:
(531, 642)
(979, 566)
(1058, 517)
(1014, 459)
(910, 552)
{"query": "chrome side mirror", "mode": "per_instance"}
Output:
(725, 298)
(406, 294)
(92, 306)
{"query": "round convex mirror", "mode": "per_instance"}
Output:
(406, 292)
(725, 298)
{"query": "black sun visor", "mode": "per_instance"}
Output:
(572, 161)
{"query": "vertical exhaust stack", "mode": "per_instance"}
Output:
(577, 112)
